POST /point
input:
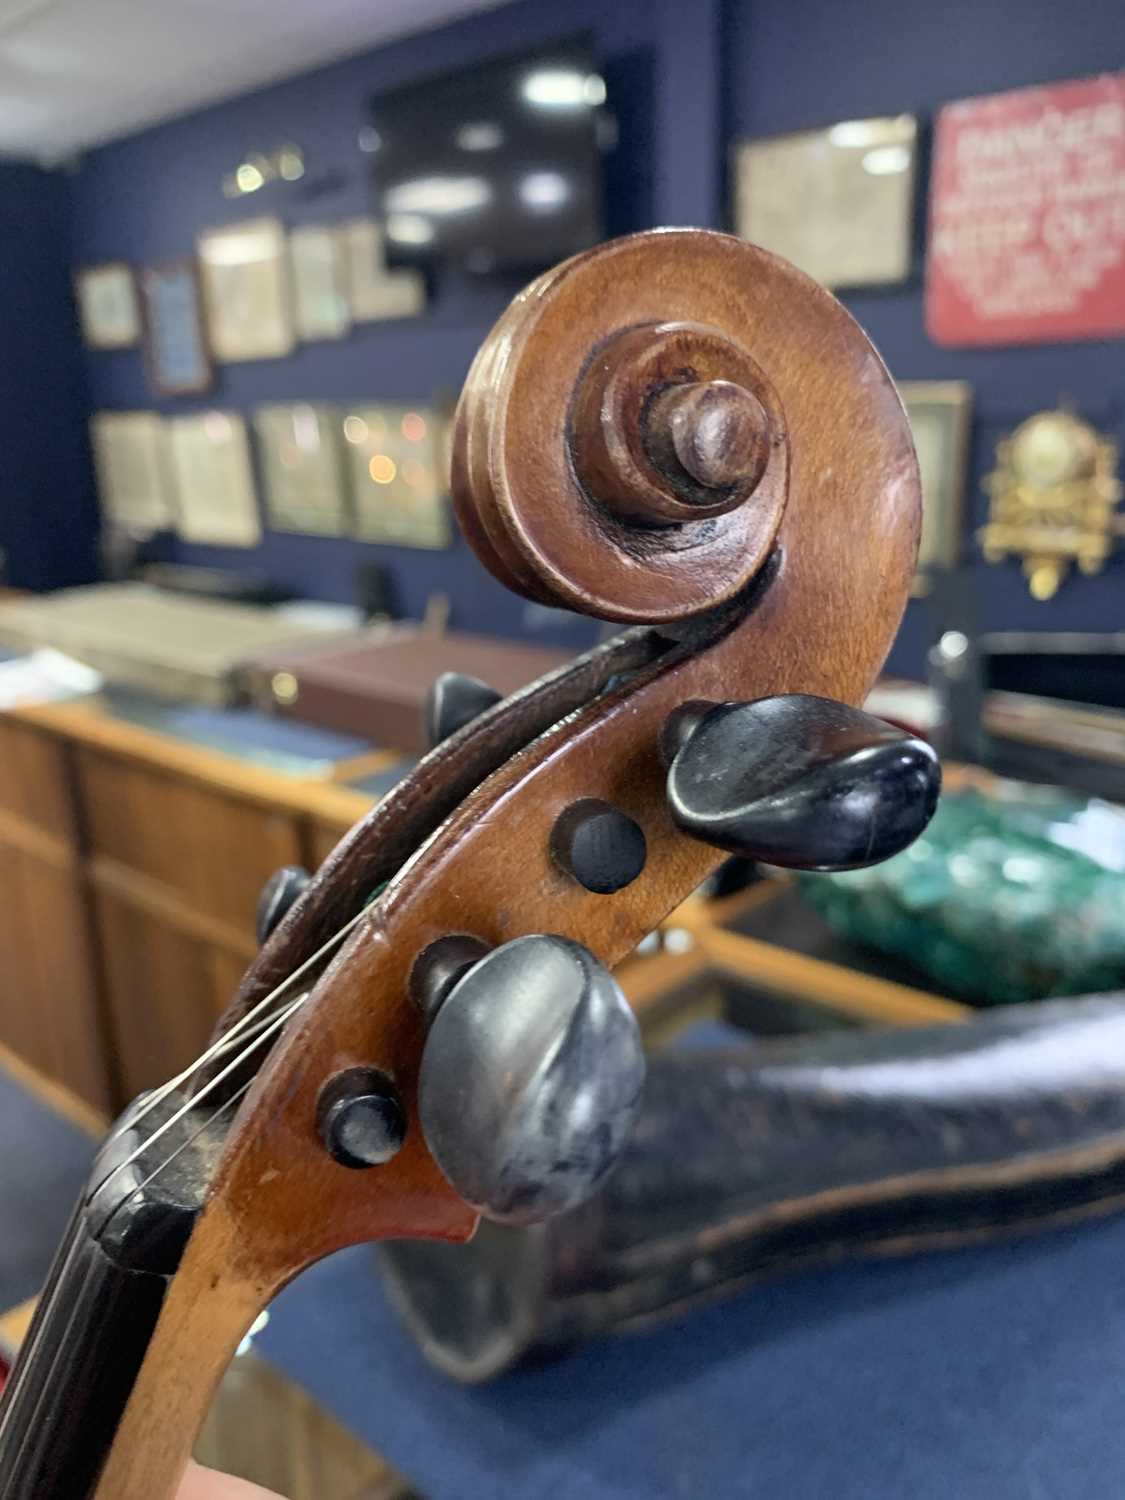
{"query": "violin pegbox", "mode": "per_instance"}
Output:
(625, 462)
(678, 432)
(683, 432)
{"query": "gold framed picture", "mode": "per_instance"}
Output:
(244, 270)
(210, 462)
(108, 310)
(940, 413)
(131, 464)
(302, 468)
(320, 302)
(375, 293)
(838, 202)
(399, 478)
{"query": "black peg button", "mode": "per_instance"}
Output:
(531, 1077)
(600, 846)
(799, 781)
(438, 968)
(278, 895)
(361, 1119)
(454, 701)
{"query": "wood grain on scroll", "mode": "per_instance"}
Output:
(834, 514)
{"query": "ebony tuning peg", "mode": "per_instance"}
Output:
(799, 781)
(278, 895)
(531, 1074)
(454, 701)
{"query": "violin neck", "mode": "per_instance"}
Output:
(66, 1395)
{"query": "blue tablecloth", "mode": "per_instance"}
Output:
(986, 1374)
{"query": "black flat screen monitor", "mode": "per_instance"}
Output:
(495, 167)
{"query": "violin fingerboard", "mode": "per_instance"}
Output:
(80, 1360)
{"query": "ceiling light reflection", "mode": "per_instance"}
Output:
(563, 88)
(479, 135)
(306, 429)
(409, 229)
(438, 195)
(291, 163)
(544, 189)
(248, 178)
(883, 161)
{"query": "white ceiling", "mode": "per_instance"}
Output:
(76, 73)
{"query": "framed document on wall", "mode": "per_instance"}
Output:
(107, 306)
(299, 447)
(838, 203)
(320, 303)
(374, 292)
(399, 483)
(179, 362)
(244, 270)
(210, 459)
(131, 462)
(940, 413)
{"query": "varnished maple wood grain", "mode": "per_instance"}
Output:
(378, 845)
(842, 561)
(512, 465)
(640, 403)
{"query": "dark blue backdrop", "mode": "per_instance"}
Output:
(148, 197)
(685, 79)
(47, 505)
(798, 63)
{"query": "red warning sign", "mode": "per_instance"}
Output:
(1027, 216)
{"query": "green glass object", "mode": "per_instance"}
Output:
(1006, 897)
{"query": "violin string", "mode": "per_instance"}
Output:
(274, 1026)
(235, 1037)
(227, 1103)
(237, 1031)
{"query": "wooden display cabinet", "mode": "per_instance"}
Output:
(131, 864)
(130, 868)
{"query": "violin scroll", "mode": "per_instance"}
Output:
(676, 431)
(621, 446)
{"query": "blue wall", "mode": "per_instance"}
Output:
(47, 505)
(685, 79)
(148, 198)
(793, 64)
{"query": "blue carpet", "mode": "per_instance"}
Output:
(44, 1161)
(987, 1374)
